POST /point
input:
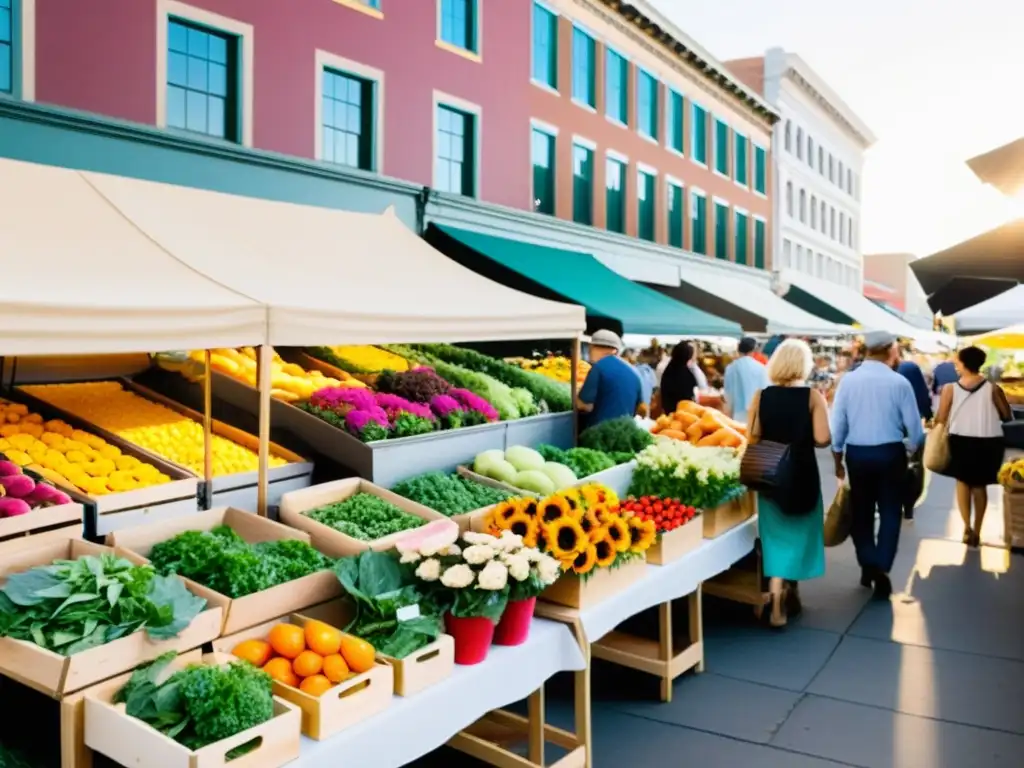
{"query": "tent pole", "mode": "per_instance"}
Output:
(574, 385)
(263, 379)
(207, 431)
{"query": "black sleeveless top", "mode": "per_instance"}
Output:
(784, 416)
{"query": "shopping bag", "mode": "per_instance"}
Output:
(936, 449)
(915, 482)
(839, 518)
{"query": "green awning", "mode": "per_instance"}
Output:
(578, 278)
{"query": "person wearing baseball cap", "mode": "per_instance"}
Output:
(612, 388)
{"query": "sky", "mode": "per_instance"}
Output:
(937, 81)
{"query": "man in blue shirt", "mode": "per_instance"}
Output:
(874, 412)
(612, 388)
(744, 377)
(944, 373)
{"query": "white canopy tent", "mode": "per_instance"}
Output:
(80, 278)
(998, 312)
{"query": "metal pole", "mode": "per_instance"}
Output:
(207, 431)
(266, 356)
(574, 385)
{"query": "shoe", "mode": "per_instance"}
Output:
(909, 515)
(777, 619)
(968, 536)
(975, 540)
(866, 578)
(883, 587)
(794, 607)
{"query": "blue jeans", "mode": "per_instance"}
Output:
(877, 476)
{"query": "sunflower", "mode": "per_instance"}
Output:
(585, 561)
(541, 540)
(565, 538)
(523, 525)
(590, 496)
(590, 524)
(619, 533)
(642, 534)
(528, 507)
(503, 512)
(572, 496)
(604, 550)
(555, 508)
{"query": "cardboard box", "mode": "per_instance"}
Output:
(573, 591)
(1013, 518)
(243, 612)
(674, 544)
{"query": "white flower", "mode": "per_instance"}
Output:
(518, 567)
(510, 541)
(533, 554)
(477, 554)
(458, 576)
(485, 539)
(494, 576)
(411, 556)
(548, 569)
(452, 550)
(429, 570)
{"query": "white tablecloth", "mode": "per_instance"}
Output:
(412, 727)
(662, 583)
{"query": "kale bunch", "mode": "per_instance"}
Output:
(365, 517)
(620, 435)
(449, 494)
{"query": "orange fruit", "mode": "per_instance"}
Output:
(307, 664)
(287, 640)
(358, 653)
(316, 685)
(280, 670)
(256, 652)
(322, 638)
(335, 668)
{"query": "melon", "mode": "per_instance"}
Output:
(559, 474)
(535, 481)
(523, 458)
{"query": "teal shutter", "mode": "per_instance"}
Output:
(721, 231)
(583, 67)
(647, 104)
(675, 215)
(675, 121)
(9, 25)
(742, 169)
(543, 150)
(741, 238)
(582, 185)
(721, 147)
(616, 89)
(615, 196)
(759, 243)
(699, 223)
(760, 170)
(699, 142)
(646, 203)
(545, 46)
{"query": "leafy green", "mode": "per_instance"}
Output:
(365, 517)
(201, 704)
(379, 586)
(584, 462)
(616, 436)
(73, 605)
(449, 494)
(226, 563)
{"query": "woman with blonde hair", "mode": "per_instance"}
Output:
(791, 521)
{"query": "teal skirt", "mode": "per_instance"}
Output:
(792, 546)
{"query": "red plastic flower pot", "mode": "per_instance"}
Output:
(473, 637)
(514, 627)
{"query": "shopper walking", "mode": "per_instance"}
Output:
(744, 377)
(873, 414)
(678, 382)
(974, 408)
(791, 523)
(914, 484)
(612, 388)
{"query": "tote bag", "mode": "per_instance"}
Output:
(936, 444)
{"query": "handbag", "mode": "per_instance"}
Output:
(936, 443)
(768, 466)
(839, 519)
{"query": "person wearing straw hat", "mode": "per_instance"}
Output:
(612, 388)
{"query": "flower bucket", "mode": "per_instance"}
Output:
(514, 627)
(473, 637)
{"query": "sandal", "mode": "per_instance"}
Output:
(968, 536)
(794, 607)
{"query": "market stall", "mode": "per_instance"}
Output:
(1000, 311)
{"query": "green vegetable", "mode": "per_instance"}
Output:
(201, 704)
(223, 561)
(449, 494)
(618, 435)
(584, 462)
(365, 517)
(73, 605)
(380, 586)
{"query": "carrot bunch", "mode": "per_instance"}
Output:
(701, 425)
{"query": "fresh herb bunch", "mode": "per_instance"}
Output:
(409, 425)
(584, 462)
(620, 435)
(418, 385)
(365, 517)
(449, 494)
(73, 605)
(200, 704)
(380, 586)
(223, 561)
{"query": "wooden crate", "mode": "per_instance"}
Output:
(42, 520)
(727, 516)
(574, 592)
(334, 543)
(417, 671)
(243, 612)
(346, 704)
(131, 742)
(674, 544)
(57, 675)
(1013, 518)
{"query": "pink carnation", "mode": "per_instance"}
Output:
(343, 398)
(394, 405)
(356, 421)
(443, 405)
(474, 402)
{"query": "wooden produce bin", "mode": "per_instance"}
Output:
(128, 741)
(335, 543)
(243, 612)
(128, 508)
(727, 516)
(44, 519)
(673, 545)
(1013, 517)
(417, 671)
(574, 592)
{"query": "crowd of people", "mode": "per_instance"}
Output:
(872, 405)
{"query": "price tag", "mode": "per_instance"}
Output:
(408, 612)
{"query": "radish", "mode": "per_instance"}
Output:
(9, 468)
(13, 507)
(18, 486)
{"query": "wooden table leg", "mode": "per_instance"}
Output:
(73, 752)
(536, 729)
(697, 623)
(581, 707)
(666, 648)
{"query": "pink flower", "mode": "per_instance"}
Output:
(394, 405)
(443, 405)
(356, 421)
(343, 398)
(474, 402)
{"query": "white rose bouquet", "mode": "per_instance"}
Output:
(530, 571)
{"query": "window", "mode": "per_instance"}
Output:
(543, 150)
(842, 227)
(347, 120)
(839, 173)
(800, 143)
(699, 141)
(831, 168)
(675, 214)
(455, 161)
(741, 237)
(819, 265)
(849, 181)
(821, 160)
(675, 122)
(803, 206)
(721, 147)
(814, 212)
(458, 21)
(545, 47)
(787, 253)
(616, 87)
(789, 198)
(800, 257)
(721, 230)
(760, 170)
(832, 226)
(646, 204)
(202, 81)
(740, 161)
(7, 25)
(760, 237)
(582, 184)
(647, 104)
(810, 151)
(698, 223)
(615, 195)
(789, 137)
(824, 217)
(583, 67)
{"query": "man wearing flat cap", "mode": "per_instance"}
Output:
(612, 388)
(875, 422)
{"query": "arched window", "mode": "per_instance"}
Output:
(789, 198)
(803, 206)
(814, 212)
(800, 143)
(789, 137)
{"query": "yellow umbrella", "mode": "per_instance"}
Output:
(1005, 338)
